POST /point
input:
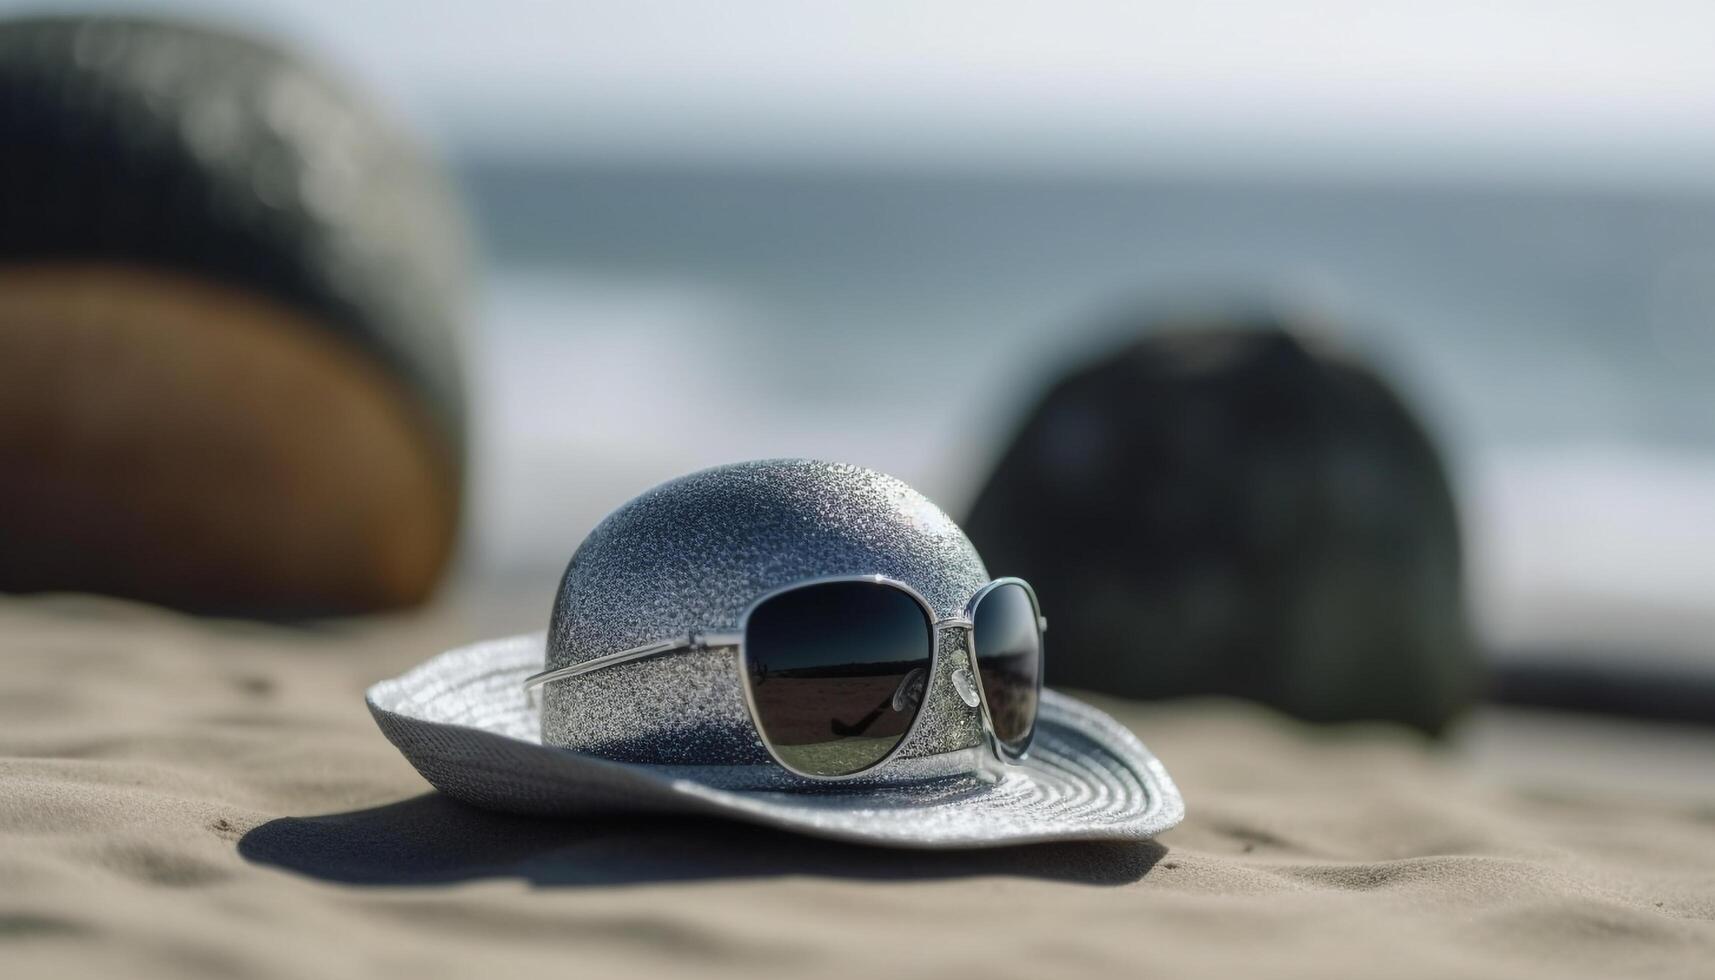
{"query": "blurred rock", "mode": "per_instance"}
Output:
(1230, 509)
(230, 299)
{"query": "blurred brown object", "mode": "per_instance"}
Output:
(187, 443)
(230, 296)
(1227, 508)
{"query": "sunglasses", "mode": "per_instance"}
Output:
(836, 670)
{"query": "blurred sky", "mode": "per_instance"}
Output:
(1569, 89)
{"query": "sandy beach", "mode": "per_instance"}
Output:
(186, 798)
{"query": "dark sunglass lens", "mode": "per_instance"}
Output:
(837, 672)
(1008, 642)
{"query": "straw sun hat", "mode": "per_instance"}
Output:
(638, 723)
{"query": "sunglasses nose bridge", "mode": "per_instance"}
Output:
(958, 624)
(964, 681)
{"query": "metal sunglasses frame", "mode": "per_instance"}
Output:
(700, 640)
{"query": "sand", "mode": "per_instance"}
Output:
(185, 798)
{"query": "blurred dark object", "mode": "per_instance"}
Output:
(230, 294)
(1618, 684)
(1229, 509)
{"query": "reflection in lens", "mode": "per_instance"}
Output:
(837, 672)
(1008, 642)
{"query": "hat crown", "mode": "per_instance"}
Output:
(693, 553)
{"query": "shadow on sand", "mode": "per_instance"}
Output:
(432, 839)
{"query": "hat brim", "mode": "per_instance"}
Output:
(464, 721)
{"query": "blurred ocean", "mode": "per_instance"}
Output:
(639, 323)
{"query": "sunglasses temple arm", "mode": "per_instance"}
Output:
(688, 641)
